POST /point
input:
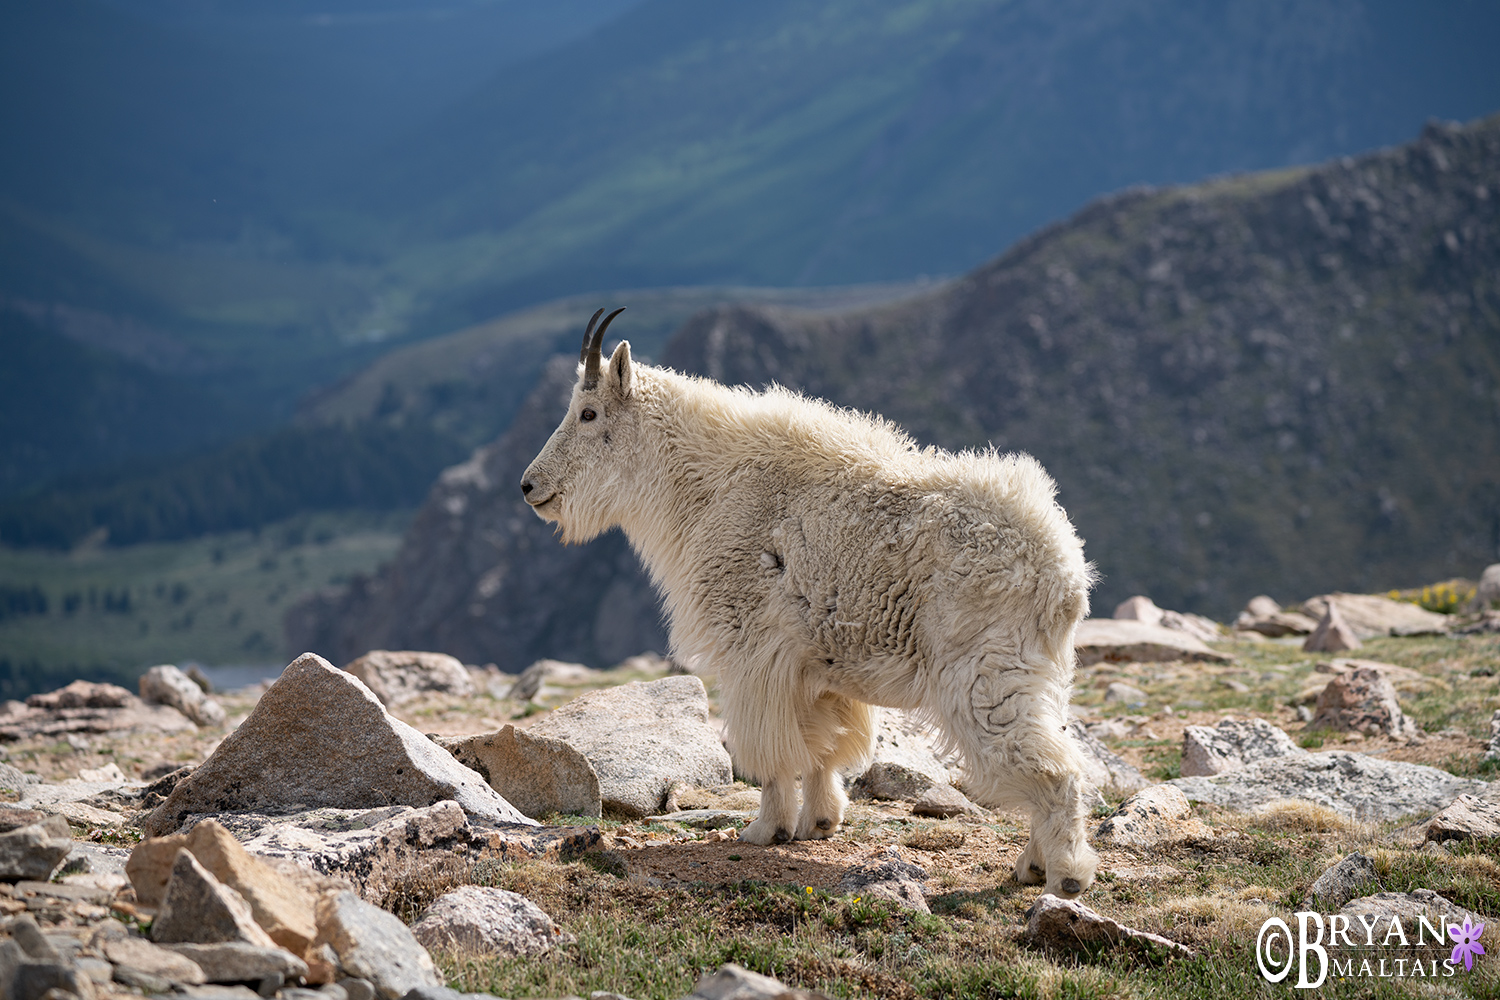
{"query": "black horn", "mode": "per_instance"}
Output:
(591, 351)
(583, 352)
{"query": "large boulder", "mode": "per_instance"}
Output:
(319, 737)
(1362, 700)
(1122, 641)
(399, 676)
(641, 738)
(478, 920)
(1156, 815)
(375, 946)
(1370, 615)
(1351, 784)
(1232, 744)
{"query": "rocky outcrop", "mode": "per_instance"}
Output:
(320, 737)
(1232, 744)
(1122, 641)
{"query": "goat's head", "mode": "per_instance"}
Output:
(576, 479)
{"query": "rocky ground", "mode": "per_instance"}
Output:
(409, 822)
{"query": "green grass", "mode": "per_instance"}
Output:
(216, 600)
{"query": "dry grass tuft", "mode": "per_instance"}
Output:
(935, 838)
(1299, 816)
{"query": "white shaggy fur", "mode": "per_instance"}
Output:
(824, 563)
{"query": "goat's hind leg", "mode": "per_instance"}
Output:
(838, 732)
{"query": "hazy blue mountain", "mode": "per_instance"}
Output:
(793, 142)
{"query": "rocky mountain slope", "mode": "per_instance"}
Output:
(1285, 382)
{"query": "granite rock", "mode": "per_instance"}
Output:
(1231, 744)
(475, 919)
(319, 737)
(400, 676)
(538, 775)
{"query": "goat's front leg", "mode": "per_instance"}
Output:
(778, 813)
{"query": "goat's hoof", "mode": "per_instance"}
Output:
(1071, 886)
(824, 824)
(783, 836)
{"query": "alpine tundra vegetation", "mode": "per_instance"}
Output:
(822, 563)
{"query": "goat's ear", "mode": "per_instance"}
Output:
(621, 373)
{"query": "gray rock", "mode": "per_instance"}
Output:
(887, 876)
(1112, 641)
(945, 802)
(166, 685)
(1351, 784)
(11, 959)
(1371, 615)
(538, 775)
(215, 991)
(1261, 606)
(14, 780)
(374, 945)
(241, 962)
(32, 980)
(1138, 609)
(1339, 883)
(1487, 593)
(198, 908)
(1156, 815)
(1465, 818)
(399, 676)
(145, 958)
(1493, 751)
(35, 850)
(1333, 634)
(1198, 626)
(1119, 691)
(487, 921)
(732, 982)
(442, 993)
(371, 849)
(1275, 624)
(33, 942)
(1066, 924)
(85, 707)
(1232, 744)
(904, 761)
(319, 737)
(641, 738)
(1408, 907)
(1104, 768)
(1362, 700)
(533, 679)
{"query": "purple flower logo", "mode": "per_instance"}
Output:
(1468, 946)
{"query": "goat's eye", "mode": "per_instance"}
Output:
(587, 414)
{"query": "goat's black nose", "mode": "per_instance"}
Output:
(525, 486)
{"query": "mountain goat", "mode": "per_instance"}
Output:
(823, 563)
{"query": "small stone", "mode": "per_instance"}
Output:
(144, 957)
(1362, 701)
(32, 941)
(241, 962)
(1262, 607)
(641, 738)
(166, 685)
(732, 982)
(358, 989)
(1468, 817)
(1156, 815)
(35, 850)
(1333, 634)
(198, 908)
(1339, 883)
(944, 802)
(487, 921)
(1066, 924)
(34, 980)
(536, 774)
(82, 694)
(399, 676)
(374, 945)
(887, 876)
(282, 908)
(1119, 691)
(1140, 609)
(1231, 744)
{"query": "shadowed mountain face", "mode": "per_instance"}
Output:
(1283, 383)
